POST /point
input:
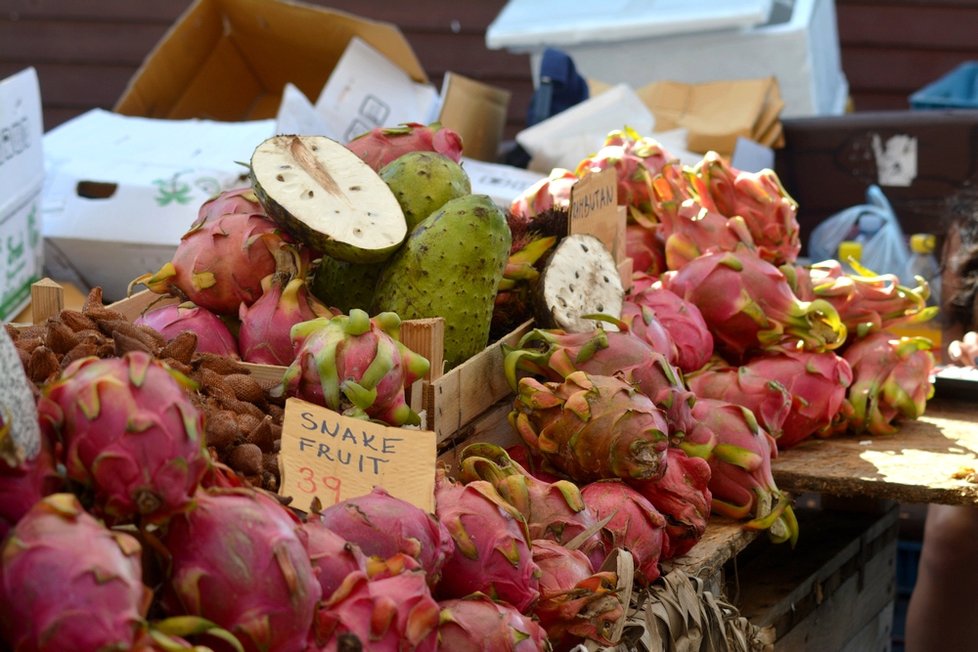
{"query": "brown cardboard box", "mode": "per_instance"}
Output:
(926, 163)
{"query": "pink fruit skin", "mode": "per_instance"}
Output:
(683, 497)
(643, 246)
(381, 145)
(492, 551)
(130, 432)
(683, 321)
(332, 556)
(67, 583)
(236, 200)
(239, 559)
(24, 484)
(635, 525)
(389, 614)
(383, 525)
(768, 399)
(552, 192)
(645, 324)
(479, 624)
(265, 325)
(213, 335)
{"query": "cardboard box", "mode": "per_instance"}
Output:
(636, 43)
(21, 180)
(926, 163)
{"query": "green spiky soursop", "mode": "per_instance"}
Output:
(450, 266)
(423, 181)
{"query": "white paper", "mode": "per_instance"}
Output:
(751, 156)
(297, 115)
(502, 183)
(566, 138)
(367, 90)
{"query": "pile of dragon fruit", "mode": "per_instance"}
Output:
(128, 532)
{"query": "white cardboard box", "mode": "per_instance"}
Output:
(798, 44)
(21, 180)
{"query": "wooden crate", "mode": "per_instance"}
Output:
(835, 591)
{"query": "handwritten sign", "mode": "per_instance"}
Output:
(329, 456)
(594, 210)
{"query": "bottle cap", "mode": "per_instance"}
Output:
(923, 243)
(850, 249)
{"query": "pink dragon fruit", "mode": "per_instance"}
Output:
(477, 623)
(749, 306)
(236, 200)
(393, 613)
(381, 145)
(552, 510)
(23, 481)
(550, 193)
(635, 525)
(643, 322)
(239, 559)
(645, 248)
(383, 525)
(332, 556)
(682, 320)
(890, 381)
(220, 262)
(130, 432)
(213, 335)
(867, 302)
(683, 497)
(739, 452)
(592, 427)
(817, 384)
(636, 160)
(767, 399)
(356, 365)
(68, 583)
(686, 227)
(533, 462)
(492, 550)
(554, 355)
(576, 603)
(759, 198)
(264, 334)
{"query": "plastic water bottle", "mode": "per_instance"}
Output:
(924, 263)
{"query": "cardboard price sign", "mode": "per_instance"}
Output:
(594, 210)
(329, 456)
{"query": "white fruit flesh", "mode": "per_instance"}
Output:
(580, 278)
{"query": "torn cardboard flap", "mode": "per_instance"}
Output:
(715, 114)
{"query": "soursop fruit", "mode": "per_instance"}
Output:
(423, 181)
(450, 266)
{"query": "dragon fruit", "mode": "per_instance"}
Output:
(68, 583)
(682, 320)
(552, 510)
(383, 525)
(636, 160)
(592, 427)
(533, 462)
(739, 452)
(759, 198)
(683, 497)
(817, 384)
(643, 322)
(554, 354)
(332, 556)
(575, 602)
(478, 623)
(686, 227)
(239, 559)
(130, 432)
(767, 399)
(264, 334)
(213, 335)
(381, 145)
(236, 200)
(220, 262)
(548, 194)
(867, 302)
(392, 613)
(635, 525)
(749, 306)
(492, 550)
(23, 481)
(356, 365)
(890, 381)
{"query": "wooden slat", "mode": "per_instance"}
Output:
(914, 26)
(424, 14)
(81, 86)
(58, 41)
(914, 465)
(47, 300)
(160, 11)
